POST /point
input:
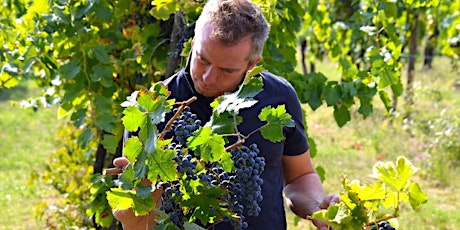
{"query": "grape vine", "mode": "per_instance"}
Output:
(365, 205)
(205, 178)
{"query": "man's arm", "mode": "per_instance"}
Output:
(303, 188)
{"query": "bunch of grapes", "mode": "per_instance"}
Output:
(242, 187)
(249, 167)
(384, 225)
(169, 205)
(185, 125)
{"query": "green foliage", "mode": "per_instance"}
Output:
(69, 172)
(366, 204)
(152, 159)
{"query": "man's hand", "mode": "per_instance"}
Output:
(327, 201)
(126, 216)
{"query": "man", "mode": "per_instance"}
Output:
(228, 42)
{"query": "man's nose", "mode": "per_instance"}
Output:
(210, 75)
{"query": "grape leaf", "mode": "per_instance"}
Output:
(151, 132)
(161, 165)
(365, 192)
(133, 118)
(332, 94)
(416, 196)
(341, 115)
(243, 98)
(70, 69)
(222, 123)
(101, 53)
(205, 204)
(127, 178)
(395, 175)
(155, 103)
(120, 199)
(276, 119)
(110, 142)
(133, 147)
(140, 168)
(252, 86)
(253, 72)
(209, 146)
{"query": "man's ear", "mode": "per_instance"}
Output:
(254, 63)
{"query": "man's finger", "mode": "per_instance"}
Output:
(121, 162)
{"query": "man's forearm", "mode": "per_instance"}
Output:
(305, 194)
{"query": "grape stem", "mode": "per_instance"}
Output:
(235, 145)
(176, 115)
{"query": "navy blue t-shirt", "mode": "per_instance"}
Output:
(276, 91)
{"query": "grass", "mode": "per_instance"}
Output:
(28, 139)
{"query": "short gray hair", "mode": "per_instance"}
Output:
(233, 20)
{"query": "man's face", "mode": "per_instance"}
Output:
(217, 68)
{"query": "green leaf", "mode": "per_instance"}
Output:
(207, 145)
(365, 192)
(152, 137)
(332, 94)
(385, 99)
(365, 107)
(70, 69)
(103, 12)
(397, 88)
(162, 165)
(110, 142)
(387, 77)
(84, 138)
(155, 103)
(102, 54)
(163, 9)
(102, 74)
(134, 118)
(398, 176)
(243, 98)
(120, 199)
(314, 89)
(416, 196)
(224, 123)
(253, 72)
(140, 167)
(341, 115)
(251, 88)
(391, 9)
(144, 191)
(205, 203)
(105, 121)
(133, 147)
(127, 178)
(83, 10)
(277, 118)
